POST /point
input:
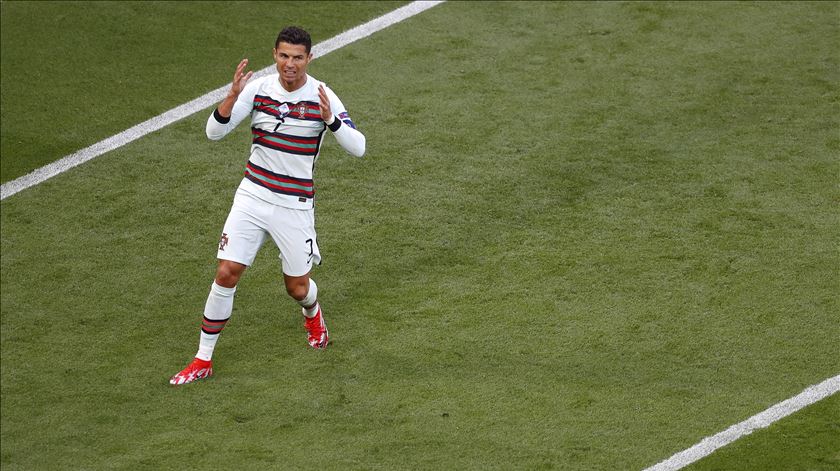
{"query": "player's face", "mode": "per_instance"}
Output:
(292, 61)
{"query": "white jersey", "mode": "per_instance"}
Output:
(287, 132)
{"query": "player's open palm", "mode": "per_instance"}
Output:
(326, 112)
(240, 78)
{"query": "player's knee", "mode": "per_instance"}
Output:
(310, 295)
(297, 290)
(228, 274)
(226, 279)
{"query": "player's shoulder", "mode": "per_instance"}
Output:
(315, 83)
(257, 86)
(265, 80)
(312, 84)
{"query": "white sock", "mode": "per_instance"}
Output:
(206, 344)
(217, 311)
(310, 302)
(310, 313)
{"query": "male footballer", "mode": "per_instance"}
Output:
(290, 113)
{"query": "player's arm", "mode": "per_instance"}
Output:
(341, 126)
(235, 107)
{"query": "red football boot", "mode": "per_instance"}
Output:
(319, 336)
(196, 370)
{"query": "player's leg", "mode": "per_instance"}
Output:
(219, 306)
(217, 311)
(241, 238)
(295, 237)
(304, 290)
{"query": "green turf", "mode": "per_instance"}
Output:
(809, 439)
(585, 236)
(74, 73)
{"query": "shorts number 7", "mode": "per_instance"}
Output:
(311, 250)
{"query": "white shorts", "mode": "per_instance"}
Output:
(293, 230)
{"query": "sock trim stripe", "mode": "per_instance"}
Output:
(211, 326)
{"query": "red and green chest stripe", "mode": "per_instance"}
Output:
(304, 110)
(286, 142)
(283, 184)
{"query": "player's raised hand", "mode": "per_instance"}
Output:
(240, 78)
(326, 113)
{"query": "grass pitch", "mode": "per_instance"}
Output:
(75, 73)
(585, 236)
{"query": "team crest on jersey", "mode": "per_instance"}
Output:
(223, 241)
(301, 110)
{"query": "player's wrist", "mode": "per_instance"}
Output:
(331, 120)
(219, 118)
(334, 124)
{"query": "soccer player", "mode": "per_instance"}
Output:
(290, 112)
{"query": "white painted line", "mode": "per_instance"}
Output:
(777, 412)
(202, 102)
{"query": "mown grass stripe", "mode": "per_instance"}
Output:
(180, 112)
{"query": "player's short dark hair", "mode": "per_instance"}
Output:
(294, 35)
